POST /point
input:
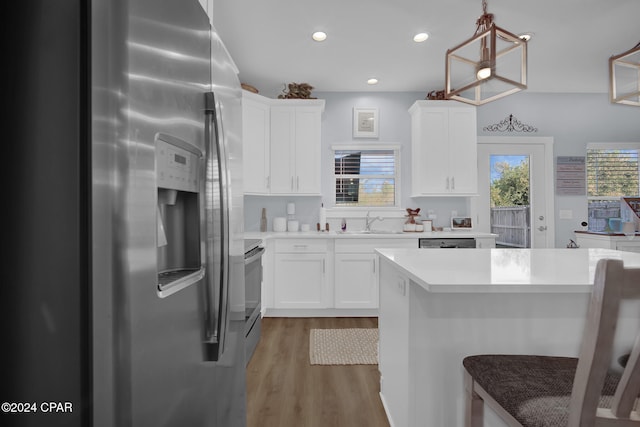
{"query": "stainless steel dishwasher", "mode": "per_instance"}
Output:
(447, 243)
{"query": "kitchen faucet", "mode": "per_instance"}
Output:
(369, 221)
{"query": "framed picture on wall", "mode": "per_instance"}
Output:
(365, 122)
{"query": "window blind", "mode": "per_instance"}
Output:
(365, 177)
(612, 172)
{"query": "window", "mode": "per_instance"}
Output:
(366, 177)
(612, 172)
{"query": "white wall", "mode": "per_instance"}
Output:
(572, 119)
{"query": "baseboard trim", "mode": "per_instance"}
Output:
(327, 312)
(386, 410)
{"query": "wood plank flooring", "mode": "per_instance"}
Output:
(285, 390)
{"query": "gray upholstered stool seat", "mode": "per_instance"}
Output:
(535, 390)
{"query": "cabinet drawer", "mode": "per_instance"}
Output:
(368, 245)
(301, 246)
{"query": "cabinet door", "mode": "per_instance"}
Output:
(307, 150)
(463, 152)
(282, 152)
(431, 151)
(255, 146)
(300, 281)
(356, 282)
(444, 148)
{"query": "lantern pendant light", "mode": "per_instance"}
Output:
(490, 65)
(624, 77)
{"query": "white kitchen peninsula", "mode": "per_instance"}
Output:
(438, 306)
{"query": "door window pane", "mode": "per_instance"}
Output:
(509, 193)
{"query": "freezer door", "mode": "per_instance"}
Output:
(151, 367)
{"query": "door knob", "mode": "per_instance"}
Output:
(541, 217)
(542, 228)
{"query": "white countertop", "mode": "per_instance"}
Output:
(503, 270)
(355, 235)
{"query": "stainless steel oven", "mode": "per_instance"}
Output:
(253, 294)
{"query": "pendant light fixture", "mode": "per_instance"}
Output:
(624, 77)
(490, 65)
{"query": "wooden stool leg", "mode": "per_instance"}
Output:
(474, 405)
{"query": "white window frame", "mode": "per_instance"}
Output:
(398, 173)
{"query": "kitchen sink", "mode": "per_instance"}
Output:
(370, 232)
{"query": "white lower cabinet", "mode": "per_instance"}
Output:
(356, 275)
(356, 281)
(607, 241)
(300, 281)
(300, 274)
(324, 277)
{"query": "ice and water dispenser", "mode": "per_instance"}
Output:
(179, 214)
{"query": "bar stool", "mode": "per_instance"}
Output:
(545, 391)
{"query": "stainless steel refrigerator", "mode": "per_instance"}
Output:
(126, 294)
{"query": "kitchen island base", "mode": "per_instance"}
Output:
(425, 334)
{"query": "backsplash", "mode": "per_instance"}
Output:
(307, 212)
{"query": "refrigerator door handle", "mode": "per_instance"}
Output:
(217, 236)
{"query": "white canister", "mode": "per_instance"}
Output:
(292, 225)
(279, 223)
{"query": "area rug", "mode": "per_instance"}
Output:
(358, 346)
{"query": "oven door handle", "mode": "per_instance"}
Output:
(254, 257)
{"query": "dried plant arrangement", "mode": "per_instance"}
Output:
(297, 91)
(436, 95)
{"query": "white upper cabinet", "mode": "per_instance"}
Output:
(295, 148)
(255, 135)
(282, 145)
(444, 149)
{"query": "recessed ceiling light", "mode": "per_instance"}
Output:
(319, 36)
(372, 81)
(420, 37)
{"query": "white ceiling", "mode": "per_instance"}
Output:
(270, 41)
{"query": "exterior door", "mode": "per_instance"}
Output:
(520, 227)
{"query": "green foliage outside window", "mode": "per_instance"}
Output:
(512, 188)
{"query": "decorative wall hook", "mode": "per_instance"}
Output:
(510, 124)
